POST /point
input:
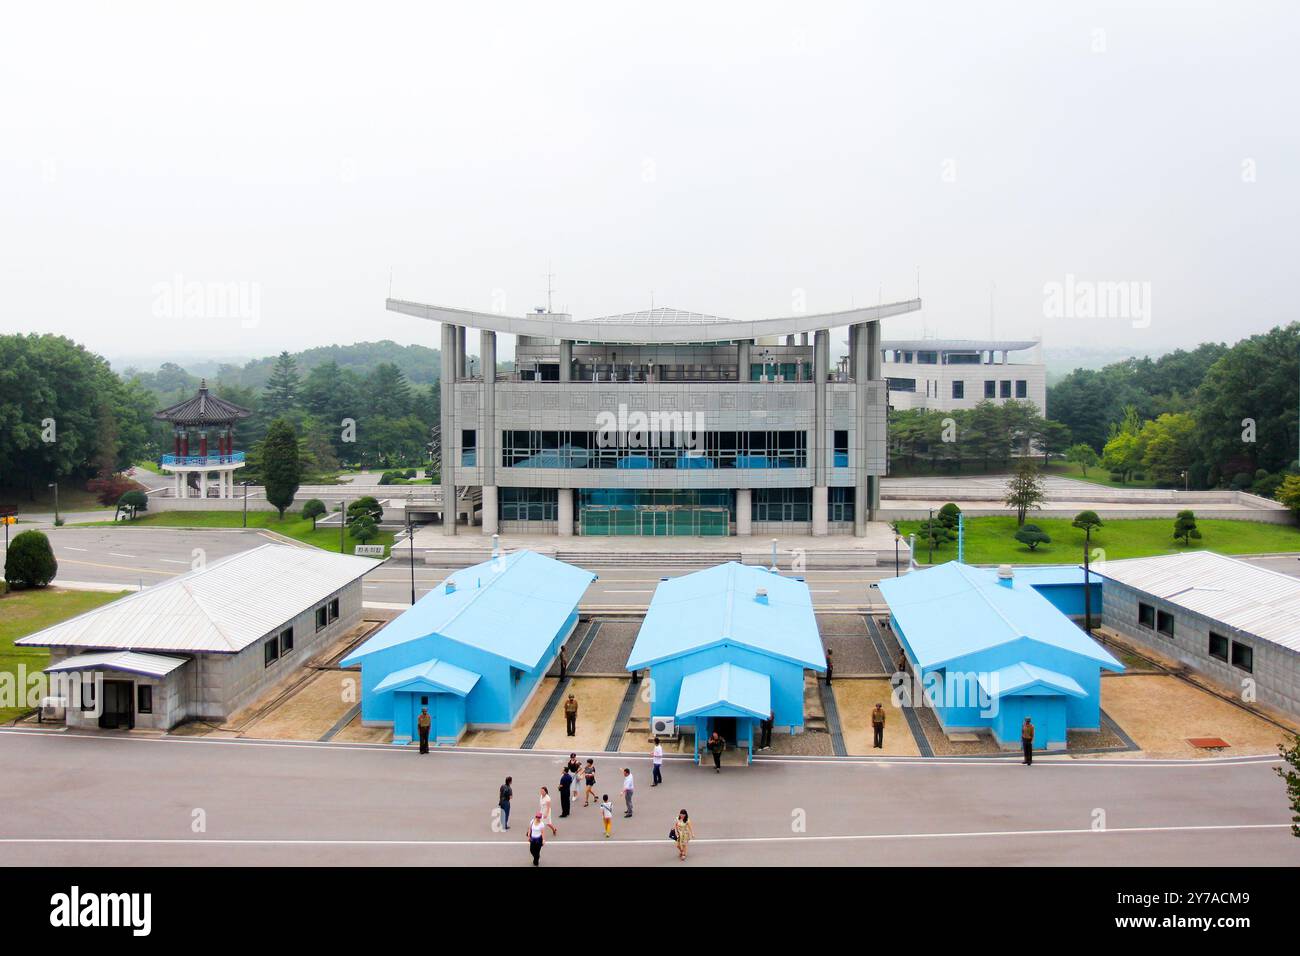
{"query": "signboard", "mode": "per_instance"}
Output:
(8, 519)
(369, 551)
(7, 512)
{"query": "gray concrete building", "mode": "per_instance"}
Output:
(664, 422)
(206, 643)
(1235, 623)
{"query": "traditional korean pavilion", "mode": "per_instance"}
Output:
(203, 443)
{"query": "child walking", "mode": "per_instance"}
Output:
(607, 814)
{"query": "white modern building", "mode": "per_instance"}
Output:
(664, 422)
(205, 643)
(949, 374)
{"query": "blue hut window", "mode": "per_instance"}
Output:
(1243, 657)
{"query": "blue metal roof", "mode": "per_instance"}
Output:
(720, 605)
(512, 606)
(725, 691)
(432, 675)
(1021, 678)
(1042, 575)
(954, 609)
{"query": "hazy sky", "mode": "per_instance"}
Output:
(738, 159)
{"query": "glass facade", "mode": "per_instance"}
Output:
(528, 504)
(571, 449)
(781, 504)
(655, 512)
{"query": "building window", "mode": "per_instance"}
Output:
(958, 389)
(840, 504)
(1218, 647)
(1243, 657)
(528, 504)
(270, 652)
(990, 388)
(927, 358)
(334, 610)
(902, 384)
(286, 641)
(1004, 388)
(144, 699)
(1147, 616)
(667, 448)
(841, 459)
(322, 617)
(469, 447)
(1165, 623)
(781, 504)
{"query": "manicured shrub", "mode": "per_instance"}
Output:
(30, 562)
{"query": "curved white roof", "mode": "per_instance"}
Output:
(959, 345)
(650, 327)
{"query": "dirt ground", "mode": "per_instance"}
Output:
(1160, 712)
(512, 738)
(311, 711)
(598, 701)
(355, 733)
(855, 698)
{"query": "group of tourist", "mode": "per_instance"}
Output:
(578, 776)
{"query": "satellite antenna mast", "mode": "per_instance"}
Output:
(549, 288)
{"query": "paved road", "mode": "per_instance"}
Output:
(80, 799)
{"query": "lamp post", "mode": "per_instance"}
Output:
(55, 485)
(410, 537)
(929, 538)
(245, 484)
(897, 538)
(1186, 480)
(1087, 584)
(343, 523)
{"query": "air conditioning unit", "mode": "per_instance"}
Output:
(663, 726)
(53, 709)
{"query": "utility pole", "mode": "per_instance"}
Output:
(410, 537)
(55, 485)
(343, 522)
(929, 537)
(245, 484)
(1087, 584)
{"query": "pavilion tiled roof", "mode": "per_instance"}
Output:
(203, 409)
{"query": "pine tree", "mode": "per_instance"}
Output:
(1025, 489)
(281, 468)
(283, 388)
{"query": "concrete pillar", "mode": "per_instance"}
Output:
(487, 437)
(564, 512)
(203, 484)
(789, 339)
(744, 512)
(820, 510)
(874, 358)
(448, 426)
(803, 338)
(817, 441)
(178, 491)
(491, 511)
(742, 359)
(566, 360)
(460, 351)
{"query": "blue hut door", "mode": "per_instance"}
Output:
(419, 701)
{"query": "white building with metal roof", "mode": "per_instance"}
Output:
(950, 374)
(770, 437)
(205, 643)
(1235, 622)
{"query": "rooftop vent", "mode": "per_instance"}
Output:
(761, 595)
(451, 585)
(1006, 577)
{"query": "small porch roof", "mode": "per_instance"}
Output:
(725, 691)
(130, 662)
(1029, 678)
(434, 676)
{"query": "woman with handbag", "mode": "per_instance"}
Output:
(682, 832)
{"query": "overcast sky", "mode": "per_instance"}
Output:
(747, 160)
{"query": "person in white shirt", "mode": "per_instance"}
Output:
(627, 790)
(545, 807)
(657, 759)
(536, 837)
(606, 813)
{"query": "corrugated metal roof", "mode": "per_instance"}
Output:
(151, 665)
(720, 605)
(954, 609)
(1017, 678)
(432, 674)
(512, 606)
(727, 689)
(1242, 595)
(659, 316)
(220, 608)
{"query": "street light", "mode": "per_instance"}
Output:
(55, 486)
(897, 538)
(343, 523)
(410, 536)
(1087, 583)
(245, 484)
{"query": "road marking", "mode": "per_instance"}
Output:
(513, 842)
(118, 554)
(116, 567)
(173, 561)
(75, 549)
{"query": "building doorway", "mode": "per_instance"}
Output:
(117, 711)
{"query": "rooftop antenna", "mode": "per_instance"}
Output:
(549, 289)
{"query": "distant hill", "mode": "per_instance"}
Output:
(419, 363)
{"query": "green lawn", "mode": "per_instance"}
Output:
(23, 613)
(990, 541)
(1096, 475)
(292, 526)
(149, 466)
